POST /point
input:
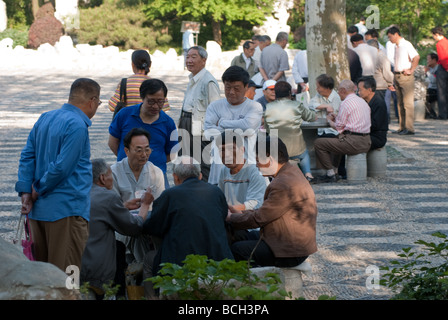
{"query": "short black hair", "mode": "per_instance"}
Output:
(236, 73)
(151, 86)
(282, 89)
(352, 29)
(134, 133)
(393, 30)
(438, 30)
(271, 143)
(368, 83)
(356, 37)
(434, 56)
(325, 81)
(373, 33)
(247, 44)
(85, 88)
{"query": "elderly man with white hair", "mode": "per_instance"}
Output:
(353, 125)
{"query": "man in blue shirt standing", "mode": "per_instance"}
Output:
(55, 177)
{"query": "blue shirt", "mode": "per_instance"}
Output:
(56, 161)
(163, 131)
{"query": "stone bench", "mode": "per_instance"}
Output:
(291, 278)
(356, 167)
(377, 163)
(372, 164)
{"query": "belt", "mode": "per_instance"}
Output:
(356, 133)
(186, 114)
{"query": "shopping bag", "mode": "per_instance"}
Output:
(26, 245)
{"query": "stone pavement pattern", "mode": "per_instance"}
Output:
(359, 225)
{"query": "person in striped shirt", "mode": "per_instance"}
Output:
(353, 125)
(141, 63)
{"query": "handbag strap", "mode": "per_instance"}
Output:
(27, 229)
(19, 232)
(123, 90)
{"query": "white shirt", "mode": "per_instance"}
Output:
(126, 185)
(247, 60)
(334, 100)
(390, 52)
(362, 29)
(368, 56)
(300, 66)
(404, 53)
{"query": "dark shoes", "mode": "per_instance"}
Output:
(404, 132)
(324, 179)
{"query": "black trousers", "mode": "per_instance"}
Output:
(185, 123)
(442, 92)
(299, 87)
(262, 254)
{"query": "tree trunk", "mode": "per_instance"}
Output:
(216, 26)
(326, 40)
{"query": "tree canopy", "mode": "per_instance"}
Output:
(217, 13)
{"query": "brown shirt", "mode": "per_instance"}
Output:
(287, 217)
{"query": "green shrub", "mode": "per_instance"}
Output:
(20, 37)
(200, 278)
(416, 276)
(124, 27)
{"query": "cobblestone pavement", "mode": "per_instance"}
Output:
(359, 225)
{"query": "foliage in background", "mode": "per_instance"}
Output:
(19, 37)
(200, 278)
(415, 19)
(114, 24)
(225, 21)
(415, 277)
(19, 13)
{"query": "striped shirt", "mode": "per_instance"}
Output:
(353, 115)
(132, 92)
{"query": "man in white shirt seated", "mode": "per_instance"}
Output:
(240, 181)
(132, 177)
(327, 100)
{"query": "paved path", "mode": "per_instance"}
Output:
(359, 225)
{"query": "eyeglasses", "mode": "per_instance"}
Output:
(99, 101)
(152, 102)
(141, 151)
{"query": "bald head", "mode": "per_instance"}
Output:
(345, 88)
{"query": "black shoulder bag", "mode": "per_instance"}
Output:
(122, 103)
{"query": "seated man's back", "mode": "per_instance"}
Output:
(189, 218)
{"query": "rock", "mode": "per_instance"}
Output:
(22, 279)
(6, 44)
(291, 278)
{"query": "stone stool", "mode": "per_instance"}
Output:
(377, 163)
(291, 278)
(356, 167)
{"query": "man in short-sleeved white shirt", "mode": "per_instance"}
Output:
(406, 60)
(274, 59)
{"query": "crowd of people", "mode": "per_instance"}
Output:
(241, 167)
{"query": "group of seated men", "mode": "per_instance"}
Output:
(261, 208)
